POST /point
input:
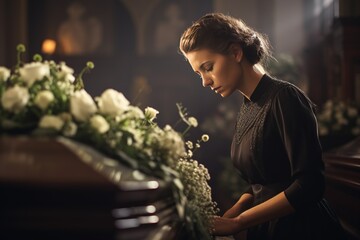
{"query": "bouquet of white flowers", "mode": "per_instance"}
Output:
(339, 122)
(44, 97)
(339, 118)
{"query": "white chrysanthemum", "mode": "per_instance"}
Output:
(15, 98)
(50, 121)
(43, 99)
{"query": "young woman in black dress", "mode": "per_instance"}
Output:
(275, 145)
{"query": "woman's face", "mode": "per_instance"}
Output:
(222, 73)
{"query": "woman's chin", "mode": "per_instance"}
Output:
(225, 94)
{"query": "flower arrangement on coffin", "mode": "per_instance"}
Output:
(338, 120)
(44, 97)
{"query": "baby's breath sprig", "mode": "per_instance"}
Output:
(182, 112)
(190, 121)
(79, 83)
(191, 147)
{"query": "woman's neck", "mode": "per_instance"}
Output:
(251, 78)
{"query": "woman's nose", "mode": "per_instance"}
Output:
(206, 81)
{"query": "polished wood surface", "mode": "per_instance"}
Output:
(55, 188)
(343, 185)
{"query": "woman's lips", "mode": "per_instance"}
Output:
(216, 89)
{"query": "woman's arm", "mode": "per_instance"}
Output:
(275, 207)
(244, 203)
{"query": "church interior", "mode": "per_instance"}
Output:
(134, 45)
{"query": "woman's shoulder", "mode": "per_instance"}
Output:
(290, 94)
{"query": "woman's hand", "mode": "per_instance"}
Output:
(244, 203)
(225, 226)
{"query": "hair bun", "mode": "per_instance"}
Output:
(253, 51)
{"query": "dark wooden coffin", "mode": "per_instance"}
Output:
(343, 185)
(55, 188)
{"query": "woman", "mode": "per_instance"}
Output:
(275, 144)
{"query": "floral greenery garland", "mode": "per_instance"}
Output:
(43, 97)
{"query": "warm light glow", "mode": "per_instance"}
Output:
(48, 46)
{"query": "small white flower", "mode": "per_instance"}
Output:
(50, 121)
(82, 106)
(99, 123)
(150, 113)
(193, 122)
(189, 153)
(66, 72)
(43, 99)
(34, 71)
(205, 137)
(4, 73)
(15, 99)
(189, 144)
(70, 129)
(112, 102)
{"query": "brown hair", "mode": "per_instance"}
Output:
(216, 31)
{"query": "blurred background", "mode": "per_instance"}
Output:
(134, 46)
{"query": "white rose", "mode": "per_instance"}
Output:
(112, 102)
(99, 123)
(82, 106)
(150, 113)
(14, 99)
(43, 99)
(4, 73)
(34, 71)
(50, 121)
(66, 72)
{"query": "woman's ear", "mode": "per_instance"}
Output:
(236, 51)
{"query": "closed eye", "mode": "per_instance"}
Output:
(208, 67)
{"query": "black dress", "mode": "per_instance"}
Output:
(276, 148)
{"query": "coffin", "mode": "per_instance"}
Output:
(56, 188)
(343, 185)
